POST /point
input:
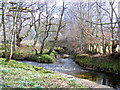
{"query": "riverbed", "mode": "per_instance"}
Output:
(68, 66)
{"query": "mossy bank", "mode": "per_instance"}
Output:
(16, 74)
(29, 54)
(99, 64)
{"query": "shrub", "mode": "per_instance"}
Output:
(2, 54)
(42, 58)
(21, 55)
(2, 47)
(59, 50)
(54, 54)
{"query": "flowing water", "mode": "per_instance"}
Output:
(68, 66)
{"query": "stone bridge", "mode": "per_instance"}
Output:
(69, 46)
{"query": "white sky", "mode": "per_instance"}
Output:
(59, 2)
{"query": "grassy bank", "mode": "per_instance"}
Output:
(20, 75)
(99, 63)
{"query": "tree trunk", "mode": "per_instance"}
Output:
(42, 47)
(35, 40)
(109, 48)
(119, 35)
(12, 39)
(114, 46)
(18, 42)
(34, 46)
(104, 48)
(47, 33)
(14, 42)
(118, 20)
(11, 48)
(96, 48)
(3, 26)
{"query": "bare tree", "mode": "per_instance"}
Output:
(59, 28)
(118, 19)
(13, 14)
(37, 22)
(48, 22)
(23, 20)
(3, 27)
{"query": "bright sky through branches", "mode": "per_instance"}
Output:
(60, 2)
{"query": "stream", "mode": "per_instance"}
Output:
(68, 66)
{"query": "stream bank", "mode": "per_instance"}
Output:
(99, 63)
(68, 66)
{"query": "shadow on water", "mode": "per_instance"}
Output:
(101, 78)
(68, 66)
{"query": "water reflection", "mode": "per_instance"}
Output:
(105, 79)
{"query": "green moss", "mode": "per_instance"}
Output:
(95, 63)
(26, 53)
(7, 45)
(42, 58)
(22, 54)
(29, 55)
(2, 46)
(16, 64)
(59, 49)
(45, 50)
